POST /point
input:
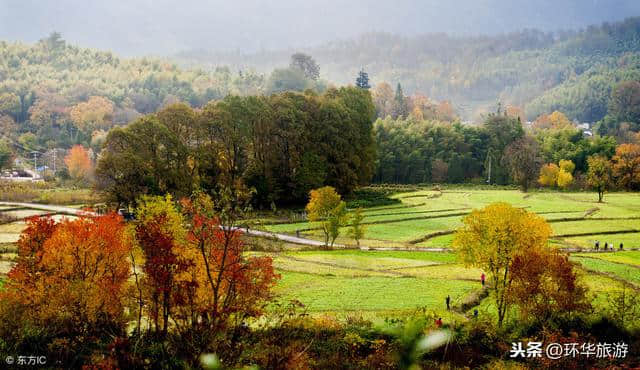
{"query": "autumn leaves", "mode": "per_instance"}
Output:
(511, 245)
(176, 269)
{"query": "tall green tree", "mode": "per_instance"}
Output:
(400, 106)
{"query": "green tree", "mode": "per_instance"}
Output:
(502, 131)
(400, 107)
(6, 155)
(357, 228)
(338, 218)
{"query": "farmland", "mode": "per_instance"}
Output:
(424, 216)
(381, 283)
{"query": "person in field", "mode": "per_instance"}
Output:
(439, 322)
(448, 301)
(606, 245)
(597, 246)
(482, 278)
(620, 246)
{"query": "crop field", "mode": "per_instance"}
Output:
(373, 283)
(390, 282)
(427, 218)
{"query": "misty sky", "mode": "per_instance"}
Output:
(135, 27)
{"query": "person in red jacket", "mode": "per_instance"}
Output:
(482, 277)
(439, 322)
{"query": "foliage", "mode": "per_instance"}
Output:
(69, 282)
(545, 285)
(39, 94)
(492, 237)
(78, 163)
(327, 207)
(624, 306)
(372, 196)
(408, 149)
(338, 217)
(6, 155)
(357, 229)
(283, 146)
(625, 166)
(306, 64)
(523, 161)
(599, 174)
(363, 80)
(565, 179)
(549, 174)
(160, 234)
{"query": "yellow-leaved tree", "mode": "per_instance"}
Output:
(490, 239)
(548, 174)
(326, 206)
(565, 176)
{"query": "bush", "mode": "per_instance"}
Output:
(373, 197)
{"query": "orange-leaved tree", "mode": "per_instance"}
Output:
(70, 281)
(545, 285)
(231, 285)
(78, 163)
(626, 166)
(491, 238)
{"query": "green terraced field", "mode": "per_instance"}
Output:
(427, 211)
(349, 280)
(625, 272)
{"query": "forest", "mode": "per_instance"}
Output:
(571, 71)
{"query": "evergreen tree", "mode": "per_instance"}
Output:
(363, 80)
(400, 106)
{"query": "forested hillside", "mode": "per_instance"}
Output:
(63, 94)
(571, 71)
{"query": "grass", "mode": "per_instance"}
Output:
(426, 211)
(386, 281)
(369, 293)
(628, 273)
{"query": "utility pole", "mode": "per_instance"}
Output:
(35, 161)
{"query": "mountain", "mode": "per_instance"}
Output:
(572, 71)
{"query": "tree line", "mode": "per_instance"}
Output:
(281, 146)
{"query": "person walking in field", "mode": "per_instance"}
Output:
(448, 300)
(606, 246)
(482, 277)
(597, 246)
(620, 246)
(439, 323)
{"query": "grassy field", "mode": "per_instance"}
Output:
(577, 219)
(373, 283)
(379, 284)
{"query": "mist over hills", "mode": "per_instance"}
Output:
(162, 27)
